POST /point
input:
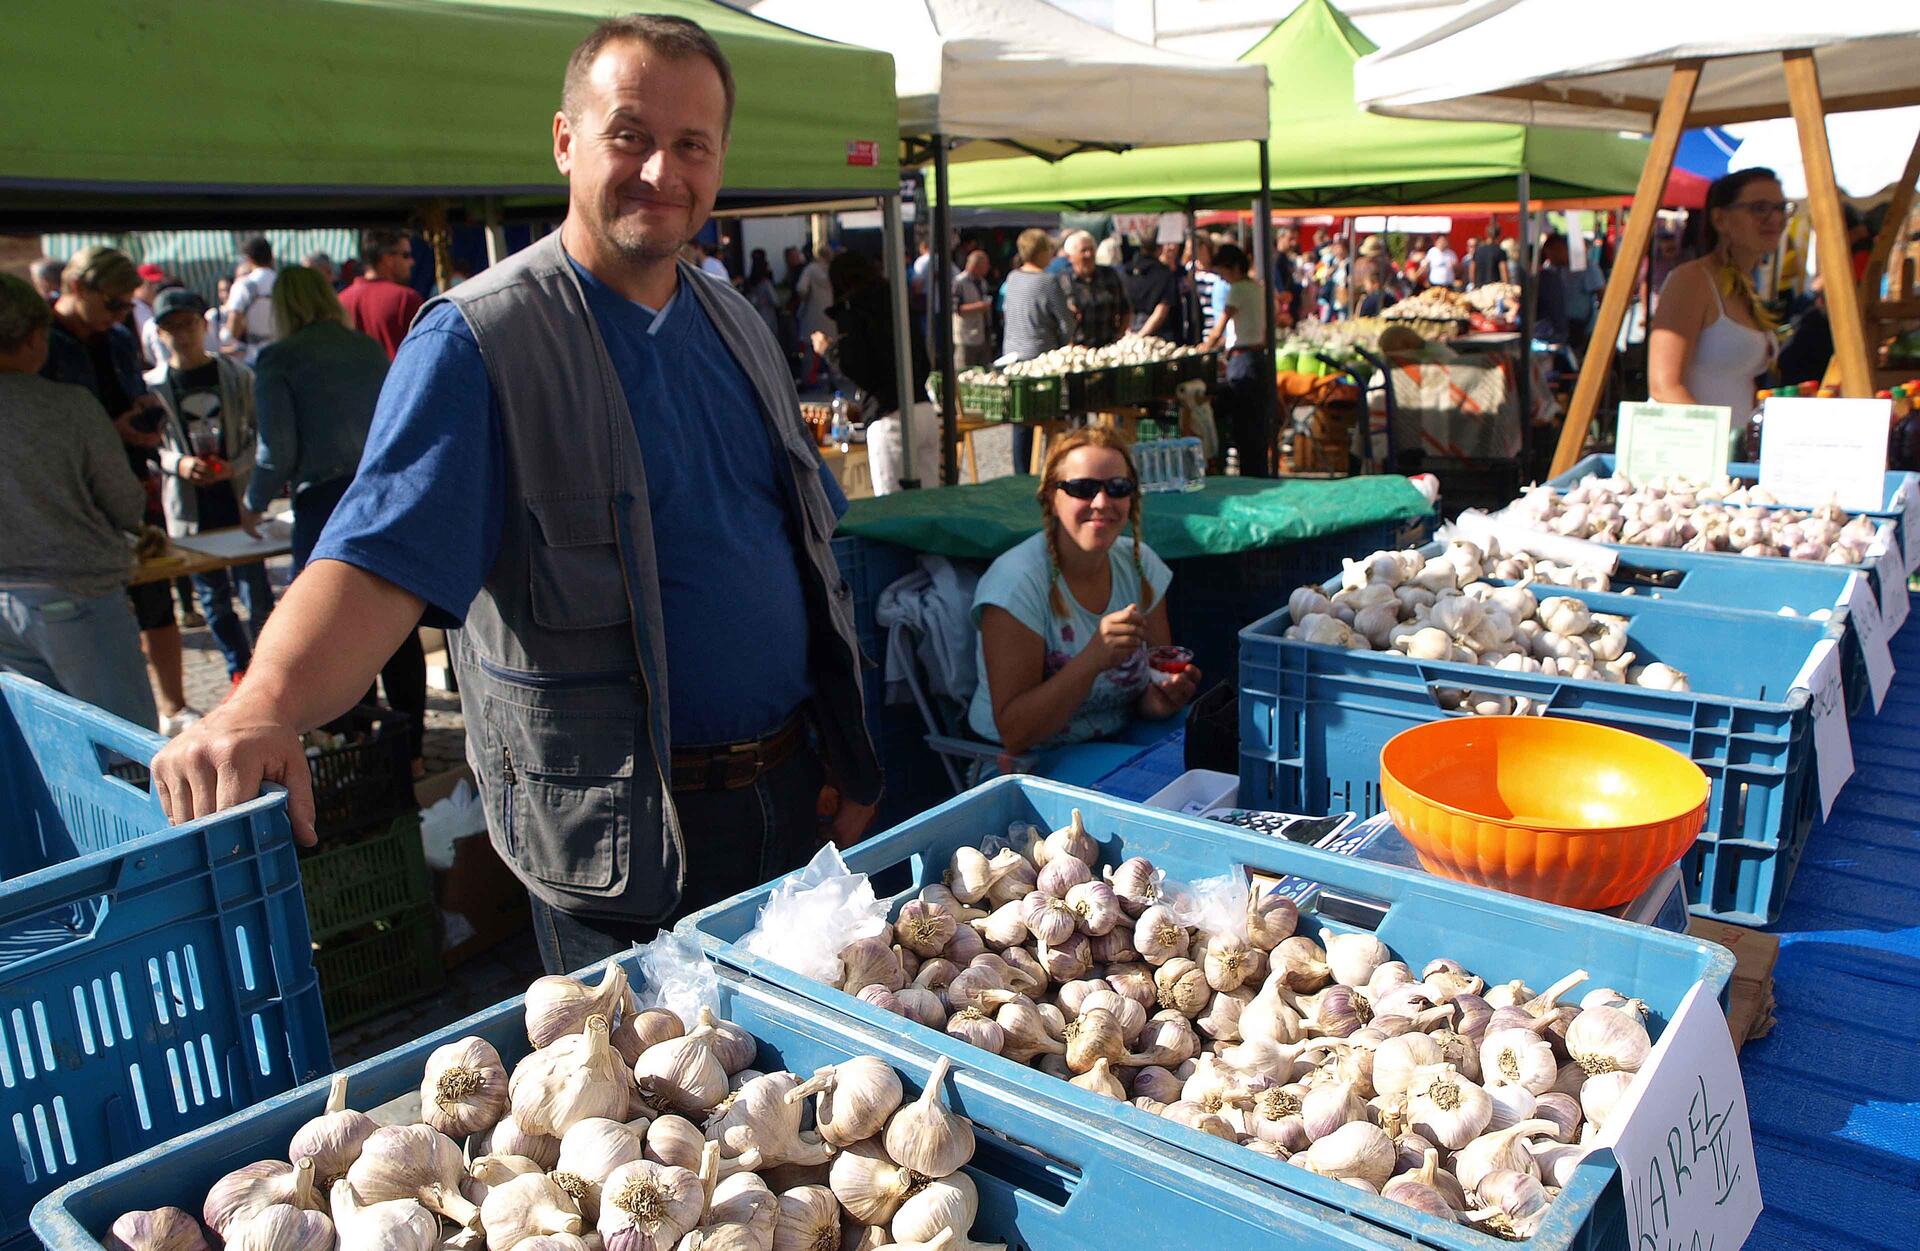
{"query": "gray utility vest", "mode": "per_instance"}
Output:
(561, 662)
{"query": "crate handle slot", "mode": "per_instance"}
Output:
(22, 943)
(73, 883)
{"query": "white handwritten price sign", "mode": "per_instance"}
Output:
(1907, 500)
(1893, 581)
(1682, 1139)
(1816, 450)
(1863, 617)
(1832, 741)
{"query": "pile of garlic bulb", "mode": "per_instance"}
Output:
(1128, 349)
(1468, 1103)
(622, 1130)
(1445, 609)
(1721, 516)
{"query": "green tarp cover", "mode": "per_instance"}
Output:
(1324, 152)
(329, 97)
(1229, 515)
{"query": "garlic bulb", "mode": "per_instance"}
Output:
(1355, 1150)
(1416, 1188)
(923, 1006)
(1503, 1149)
(253, 1189)
(590, 1151)
(283, 1227)
(1396, 1060)
(1093, 1035)
(464, 1089)
(413, 1162)
(924, 1136)
(764, 1121)
(1070, 839)
(1299, 964)
(525, 1206)
(1048, 918)
(487, 1171)
(1157, 936)
(332, 1139)
(744, 1206)
(649, 1207)
(1518, 1057)
(162, 1229)
(507, 1137)
(734, 1047)
(1136, 882)
(1156, 1083)
(856, 1097)
(1608, 1040)
(1061, 875)
(809, 1220)
(1100, 1080)
(1271, 919)
(867, 962)
(924, 929)
(970, 1025)
(571, 1079)
(1005, 926)
(869, 1185)
(1511, 1105)
(1352, 958)
(682, 1074)
(1602, 1093)
(396, 1225)
(559, 1005)
(949, 1203)
(1446, 1109)
(1327, 1108)
(1025, 1032)
(1095, 906)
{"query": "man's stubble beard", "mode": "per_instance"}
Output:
(633, 244)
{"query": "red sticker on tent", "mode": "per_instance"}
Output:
(863, 152)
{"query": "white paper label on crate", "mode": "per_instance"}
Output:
(1832, 742)
(1661, 440)
(1907, 500)
(1683, 1141)
(1863, 617)
(1817, 450)
(1516, 536)
(1893, 582)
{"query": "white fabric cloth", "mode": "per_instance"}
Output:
(253, 296)
(883, 449)
(1457, 71)
(928, 616)
(1024, 70)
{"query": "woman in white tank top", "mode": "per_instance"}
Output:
(1712, 337)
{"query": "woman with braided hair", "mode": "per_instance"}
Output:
(1067, 617)
(1712, 337)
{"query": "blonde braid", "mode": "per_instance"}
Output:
(1055, 603)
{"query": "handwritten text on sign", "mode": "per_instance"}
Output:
(1656, 440)
(1683, 1141)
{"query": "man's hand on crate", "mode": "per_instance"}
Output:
(223, 759)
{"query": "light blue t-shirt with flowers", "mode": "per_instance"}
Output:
(1017, 582)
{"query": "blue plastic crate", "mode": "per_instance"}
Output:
(156, 978)
(1906, 541)
(1046, 1181)
(1213, 597)
(1498, 936)
(1313, 720)
(869, 567)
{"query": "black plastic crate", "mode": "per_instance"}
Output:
(368, 781)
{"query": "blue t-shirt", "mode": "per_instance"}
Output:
(424, 510)
(1018, 583)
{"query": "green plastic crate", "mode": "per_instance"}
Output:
(352, 882)
(1133, 384)
(379, 967)
(1035, 399)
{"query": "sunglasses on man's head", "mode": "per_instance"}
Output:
(1088, 488)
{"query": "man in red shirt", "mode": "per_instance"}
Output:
(379, 302)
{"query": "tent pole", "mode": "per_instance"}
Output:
(939, 297)
(1263, 257)
(1195, 316)
(496, 233)
(1809, 118)
(1523, 249)
(894, 232)
(1641, 219)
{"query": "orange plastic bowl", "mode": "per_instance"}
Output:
(1557, 810)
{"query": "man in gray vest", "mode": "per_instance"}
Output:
(590, 458)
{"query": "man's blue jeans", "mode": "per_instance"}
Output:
(215, 591)
(88, 647)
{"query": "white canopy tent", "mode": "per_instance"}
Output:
(1654, 65)
(979, 79)
(1869, 150)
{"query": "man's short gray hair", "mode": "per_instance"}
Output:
(23, 310)
(1074, 237)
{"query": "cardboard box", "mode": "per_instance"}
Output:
(1750, 994)
(481, 903)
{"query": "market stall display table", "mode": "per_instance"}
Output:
(214, 549)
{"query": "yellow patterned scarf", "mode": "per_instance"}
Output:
(1737, 284)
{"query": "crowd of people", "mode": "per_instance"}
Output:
(211, 411)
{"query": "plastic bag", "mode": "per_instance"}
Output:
(676, 975)
(460, 815)
(1212, 905)
(812, 917)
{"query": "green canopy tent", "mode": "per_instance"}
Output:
(311, 111)
(1325, 151)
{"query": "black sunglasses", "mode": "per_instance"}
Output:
(1088, 488)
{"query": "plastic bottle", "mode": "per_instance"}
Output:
(1196, 463)
(840, 427)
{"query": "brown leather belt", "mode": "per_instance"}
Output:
(731, 766)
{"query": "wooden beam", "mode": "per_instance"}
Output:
(1893, 230)
(1829, 224)
(1855, 103)
(1641, 221)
